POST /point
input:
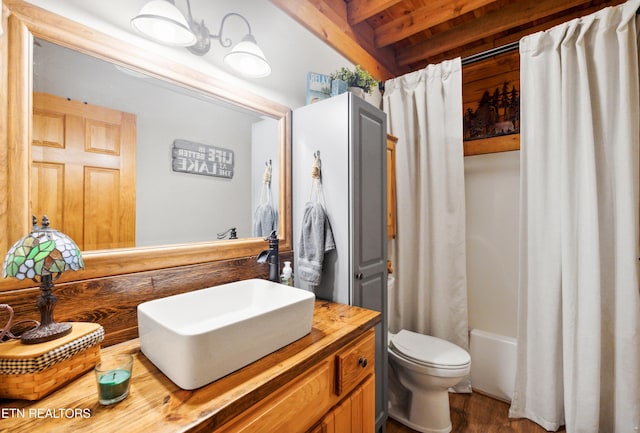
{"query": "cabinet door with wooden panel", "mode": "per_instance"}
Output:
(83, 171)
(355, 414)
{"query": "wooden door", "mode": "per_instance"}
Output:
(83, 171)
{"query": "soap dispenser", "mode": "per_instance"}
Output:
(287, 274)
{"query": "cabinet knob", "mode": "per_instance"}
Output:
(359, 276)
(362, 362)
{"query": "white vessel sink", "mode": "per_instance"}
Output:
(197, 337)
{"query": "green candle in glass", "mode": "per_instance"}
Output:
(113, 376)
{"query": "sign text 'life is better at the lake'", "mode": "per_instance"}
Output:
(203, 159)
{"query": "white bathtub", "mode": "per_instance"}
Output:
(493, 364)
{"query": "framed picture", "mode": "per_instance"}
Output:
(497, 113)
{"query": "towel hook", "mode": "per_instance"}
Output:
(266, 176)
(316, 171)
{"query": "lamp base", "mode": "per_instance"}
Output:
(47, 332)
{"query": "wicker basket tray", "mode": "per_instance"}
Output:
(30, 372)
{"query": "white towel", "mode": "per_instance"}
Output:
(315, 240)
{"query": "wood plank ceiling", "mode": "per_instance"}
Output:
(393, 37)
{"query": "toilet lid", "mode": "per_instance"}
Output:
(428, 350)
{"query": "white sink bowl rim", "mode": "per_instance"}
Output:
(198, 337)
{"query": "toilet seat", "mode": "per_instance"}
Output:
(429, 351)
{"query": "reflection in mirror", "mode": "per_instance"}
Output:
(104, 167)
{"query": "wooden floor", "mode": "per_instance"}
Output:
(477, 413)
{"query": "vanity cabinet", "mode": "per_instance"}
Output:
(340, 390)
(318, 383)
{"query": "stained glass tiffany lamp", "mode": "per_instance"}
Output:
(43, 253)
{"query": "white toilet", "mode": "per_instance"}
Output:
(425, 367)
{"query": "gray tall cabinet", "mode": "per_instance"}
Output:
(349, 135)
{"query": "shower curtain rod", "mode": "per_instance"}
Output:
(496, 51)
(477, 57)
(490, 53)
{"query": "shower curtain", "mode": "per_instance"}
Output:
(424, 110)
(579, 306)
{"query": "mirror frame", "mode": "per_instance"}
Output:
(22, 22)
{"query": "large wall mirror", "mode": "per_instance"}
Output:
(53, 65)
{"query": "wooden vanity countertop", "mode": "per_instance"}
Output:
(155, 404)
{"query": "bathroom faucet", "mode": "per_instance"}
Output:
(231, 232)
(271, 256)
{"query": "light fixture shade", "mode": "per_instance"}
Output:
(44, 251)
(248, 59)
(163, 22)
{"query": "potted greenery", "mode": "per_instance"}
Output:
(358, 78)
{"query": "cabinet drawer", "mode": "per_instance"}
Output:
(355, 362)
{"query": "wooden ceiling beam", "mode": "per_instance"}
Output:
(434, 13)
(506, 18)
(466, 51)
(328, 20)
(360, 10)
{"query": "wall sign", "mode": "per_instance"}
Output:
(197, 158)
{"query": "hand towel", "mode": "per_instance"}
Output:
(264, 220)
(315, 240)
